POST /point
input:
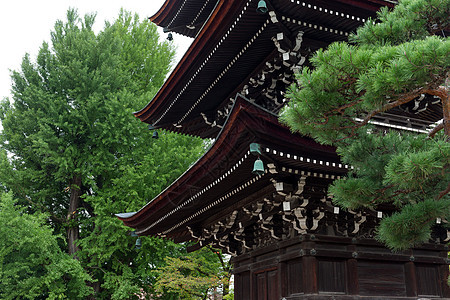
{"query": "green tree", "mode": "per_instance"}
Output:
(388, 62)
(194, 275)
(108, 249)
(76, 153)
(32, 265)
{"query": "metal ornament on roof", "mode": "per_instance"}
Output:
(262, 7)
(258, 167)
(138, 243)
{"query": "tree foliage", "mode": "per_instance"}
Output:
(109, 250)
(76, 152)
(406, 170)
(194, 275)
(32, 265)
(388, 62)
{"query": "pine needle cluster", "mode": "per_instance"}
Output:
(388, 62)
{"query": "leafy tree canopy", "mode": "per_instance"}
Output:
(32, 265)
(76, 152)
(194, 275)
(388, 62)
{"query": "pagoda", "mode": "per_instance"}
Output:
(259, 193)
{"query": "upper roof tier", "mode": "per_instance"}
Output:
(237, 50)
(185, 17)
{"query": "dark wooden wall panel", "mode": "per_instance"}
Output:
(295, 276)
(272, 272)
(309, 264)
(266, 285)
(261, 284)
(381, 279)
(352, 277)
(332, 276)
(242, 285)
(272, 285)
(428, 280)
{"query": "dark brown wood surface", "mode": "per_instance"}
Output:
(302, 275)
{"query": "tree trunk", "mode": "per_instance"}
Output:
(446, 112)
(226, 287)
(97, 289)
(445, 99)
(72, 228)
(443, 93)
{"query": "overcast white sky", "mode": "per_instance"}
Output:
(25, 24)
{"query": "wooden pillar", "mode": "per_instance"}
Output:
(352, 273)
(310, 266)
(443, 274)
(352, 277)
(410, 279)
(253, 286)
(283, 279)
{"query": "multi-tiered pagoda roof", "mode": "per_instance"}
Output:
(287, 238)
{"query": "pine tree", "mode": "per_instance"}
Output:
(387, 63)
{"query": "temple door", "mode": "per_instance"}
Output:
(267, 285)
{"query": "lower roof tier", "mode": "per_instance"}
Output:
(225, 170)
(257, 183)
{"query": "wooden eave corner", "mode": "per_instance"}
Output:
(201, 43)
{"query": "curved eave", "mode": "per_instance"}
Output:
(246, 123)
(204, 41)
(133, 220)
(163, 12)
(370, 4)
(185, 17)
(178, 94)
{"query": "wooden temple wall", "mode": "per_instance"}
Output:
(323, 267)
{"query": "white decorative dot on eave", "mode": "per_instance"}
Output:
(176, 15)
(306, 159)
(315, 26)
(329, 11)
(199, 12)
(203, 64)
(233, 61)
(221, 199)
(192, 198)
(309, 174)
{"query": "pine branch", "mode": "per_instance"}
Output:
(401, 99)
(440, 92)
(381, 193)
(435, 130)
(443, 93)
(444, 192)
(342, 108)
